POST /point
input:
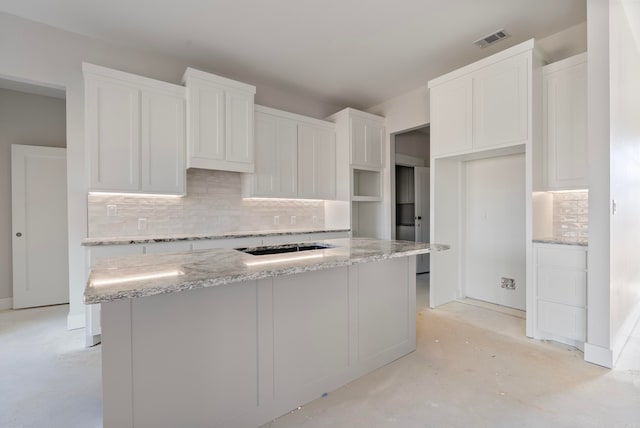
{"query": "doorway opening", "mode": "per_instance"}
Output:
(412, 192)
(33, 213)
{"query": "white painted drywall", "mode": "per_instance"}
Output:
(41, 54)
(564, 44)
(599, 203)
(495, 241)
(624, 131)
(24, 119)
(414, 143)
(613, 290)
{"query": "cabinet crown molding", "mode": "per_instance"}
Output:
(123, 77)
(492, 59)
(351, 112)
(191, 73)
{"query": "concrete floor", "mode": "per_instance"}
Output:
(473, 367)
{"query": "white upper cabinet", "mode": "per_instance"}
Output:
(220, 116)
(367, 142)
(451, 119)
(162, 143)
(295, 157)
(501, 103)
(135, 131)
(276, 169)
(316, 162)
(565, 123)
(485, 105)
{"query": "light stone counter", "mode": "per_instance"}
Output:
(151, 239)
(130, 277)
(563, 241)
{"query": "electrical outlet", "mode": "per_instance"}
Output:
(508, 283)
(142, 224)
(112, 210)
(276, 220)
(293, 219)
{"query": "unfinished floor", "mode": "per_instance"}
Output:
(473, 367)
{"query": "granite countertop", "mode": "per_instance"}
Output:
(129, 277)
(563, 241)
(150, 239)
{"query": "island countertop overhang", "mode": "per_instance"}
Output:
(129, 277)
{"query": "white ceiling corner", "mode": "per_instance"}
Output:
(357, 52)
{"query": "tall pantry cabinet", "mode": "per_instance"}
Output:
(486, 110)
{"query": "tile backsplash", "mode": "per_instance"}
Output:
(571, 214)
(213, 204)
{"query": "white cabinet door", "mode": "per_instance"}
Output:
(561, 292)
(565, 123)
(326, 160)
(135, 129)
(276, 163)
(239, 127)
(501, 103)
(451, 117)
(316, 162)
(112, 116)
(220, 113)
(163, 143)
(367, 143)
(206, 123)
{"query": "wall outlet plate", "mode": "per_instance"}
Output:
(508, 283)
(142, 224)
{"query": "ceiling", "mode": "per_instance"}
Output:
(341, 52)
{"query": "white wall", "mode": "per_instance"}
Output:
(495, 238)
(624, 130)
(414, 143)
(24, 119)
(564, 44)
(41, 54)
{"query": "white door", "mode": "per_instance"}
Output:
(39, 225)
(421, 186)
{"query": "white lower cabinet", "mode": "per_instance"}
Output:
(561, 293)
(242, 354)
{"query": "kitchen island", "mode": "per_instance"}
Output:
(224, 338)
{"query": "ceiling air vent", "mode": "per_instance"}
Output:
(490, 39)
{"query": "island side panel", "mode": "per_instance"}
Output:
(386, 311)
(311, 335)
(195, 357)
(117, 395)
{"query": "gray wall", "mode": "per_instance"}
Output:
(24, 119)
(414, 143)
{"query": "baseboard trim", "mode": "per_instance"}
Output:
(624, 332)
(6, 303)
(598, 355)
(75, 321)
(92, 340)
